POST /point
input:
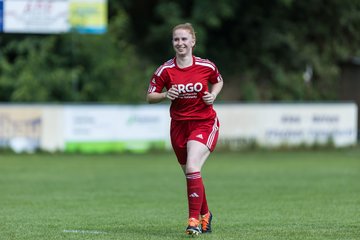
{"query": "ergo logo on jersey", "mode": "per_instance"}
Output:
(189, 88)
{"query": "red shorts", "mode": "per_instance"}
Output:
(204, 131)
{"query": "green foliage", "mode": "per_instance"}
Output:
(261, 47)
(73, 67)
(274, 41)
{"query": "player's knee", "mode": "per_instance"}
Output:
(191, 169)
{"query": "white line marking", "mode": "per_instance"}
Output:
(85, 231)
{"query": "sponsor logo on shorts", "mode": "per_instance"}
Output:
(200, 136)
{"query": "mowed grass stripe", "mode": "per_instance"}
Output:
(253, 195)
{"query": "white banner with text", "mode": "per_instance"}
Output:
(139, 128)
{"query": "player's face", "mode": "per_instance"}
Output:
(183, 42)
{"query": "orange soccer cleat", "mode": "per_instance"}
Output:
(193, 227)
(206, 222)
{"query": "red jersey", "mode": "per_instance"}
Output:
(191, 82)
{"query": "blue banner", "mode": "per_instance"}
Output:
(1, 15)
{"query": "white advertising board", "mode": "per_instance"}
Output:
(115, 127)
(290, 124)
(53, 16)
(119, 128)
(40, 16)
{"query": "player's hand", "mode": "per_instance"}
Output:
(172, 93)
(209, 98)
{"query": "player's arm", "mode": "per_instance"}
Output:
(155, 93)
(155, 97)
(209, 97)
(216, 88)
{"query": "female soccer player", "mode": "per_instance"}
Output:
(194, 126)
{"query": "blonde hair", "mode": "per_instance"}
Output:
(186, 26)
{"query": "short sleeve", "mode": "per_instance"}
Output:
(215, 76)
(156, 84)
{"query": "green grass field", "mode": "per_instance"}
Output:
(253, 195)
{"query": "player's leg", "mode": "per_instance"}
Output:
(204, 206)
(206, 215)
(197, 153)
(196, 156)
(179, 136)
(202, 141)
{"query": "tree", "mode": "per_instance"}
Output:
(262, 48)
(73, 67)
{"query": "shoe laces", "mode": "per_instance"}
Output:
(193, 222)
(205, 220)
